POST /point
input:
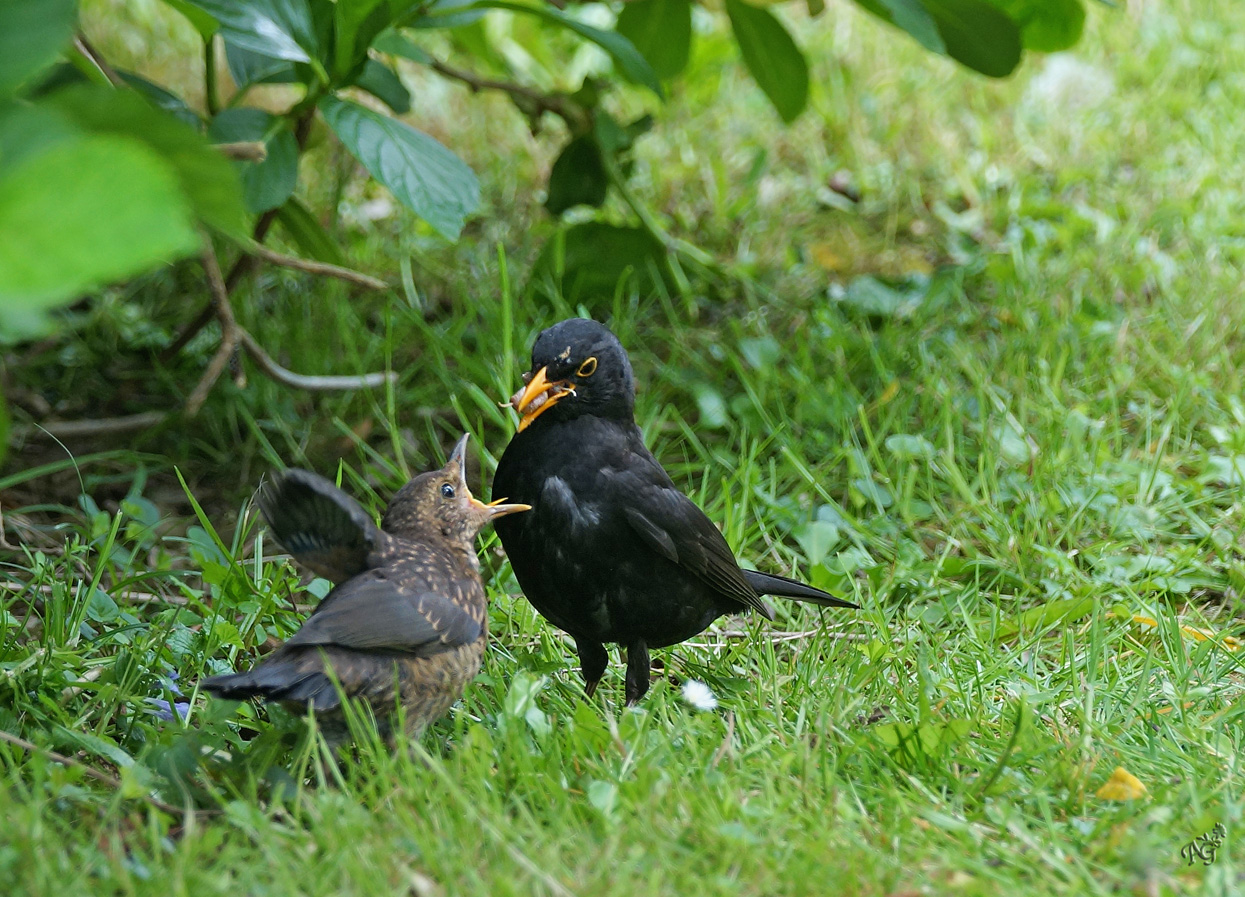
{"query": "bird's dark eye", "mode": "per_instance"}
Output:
(588, 368)
(447, 491)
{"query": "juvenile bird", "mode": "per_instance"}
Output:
(406, 621)
(612, 551)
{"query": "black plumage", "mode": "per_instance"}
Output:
(612, 551)
(406, 621)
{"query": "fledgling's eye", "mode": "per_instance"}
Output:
(447, 491)
(588, 368)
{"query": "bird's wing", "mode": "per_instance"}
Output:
(322, 527)
(671, 524)
(373, 612)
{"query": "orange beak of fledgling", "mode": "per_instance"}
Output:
(490, 511)
(538, 396)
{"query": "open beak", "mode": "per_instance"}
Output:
(538, 396)
(492, 510)
(498, 508)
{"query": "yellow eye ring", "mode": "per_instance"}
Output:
(588, 368)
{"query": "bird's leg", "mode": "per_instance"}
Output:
(592, 663)
(637, 671)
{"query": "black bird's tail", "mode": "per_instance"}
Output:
(782, 587)
(276, 682)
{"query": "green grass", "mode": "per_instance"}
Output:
(1020, 444)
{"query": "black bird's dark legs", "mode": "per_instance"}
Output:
(637, 671)
(592, 663)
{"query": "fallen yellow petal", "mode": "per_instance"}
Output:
(1228, 642)
(1122, 785)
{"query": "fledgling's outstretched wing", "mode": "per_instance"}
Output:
(324, 529)
(380, 612)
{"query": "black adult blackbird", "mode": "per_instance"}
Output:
(612, 551)
(406, 621)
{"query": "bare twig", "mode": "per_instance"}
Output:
(533, 102)
(244, 150)
(99, 775)
(83, 46)
(310, 381)
(190, 332)
(72, 429)
(230, 332)
(4, 542)
(322, 268)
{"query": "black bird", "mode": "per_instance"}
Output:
(406, 621)
(612, 551)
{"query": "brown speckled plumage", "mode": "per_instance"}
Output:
(406, 621)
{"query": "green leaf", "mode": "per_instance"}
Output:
(977, 35)
(247, 67)
(206, 176)
(592, 257)
(424, 176)
(266, 184)
(633, 66)
(202, 22)
(27, 130)
(84, 213)
(1046, 25)
(278, 28)
(912, 17)
(303, 228)
(383, 83)
(32, 35)
(163, 99)
(578, 177)
(661, 30)
(355, 24)
(772, 57)
(1062, 611)
(395, 44)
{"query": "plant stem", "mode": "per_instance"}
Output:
(211, 90)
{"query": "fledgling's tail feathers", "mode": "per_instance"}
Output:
(276, 682)
(782, 587)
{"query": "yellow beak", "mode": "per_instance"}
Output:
(537, 397)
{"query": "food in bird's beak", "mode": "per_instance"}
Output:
(537, 396)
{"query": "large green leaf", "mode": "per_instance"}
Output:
(383, 83)
(207, 177)
(424, 176)
(771, 56)
(32, 34)
(162, 99)
(202, 22)
(661, 30)
(27, 130)
(307, 233)
(1046, 25)
(630, 63)
(281, 29)
(913, 18)
(86, 212)
(397, 44)
(266, 184)
(247, 67)
(355, 24)
(977, 35)
(578, 177)
(590, 259)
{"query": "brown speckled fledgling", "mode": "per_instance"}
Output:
(407, 618)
